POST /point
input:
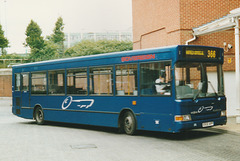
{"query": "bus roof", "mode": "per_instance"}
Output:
(106, 55)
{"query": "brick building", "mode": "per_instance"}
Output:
(5, 82)
(161, 23)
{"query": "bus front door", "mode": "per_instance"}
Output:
(17, 94)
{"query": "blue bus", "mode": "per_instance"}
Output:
(168, 89)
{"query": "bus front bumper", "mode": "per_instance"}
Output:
(187, 125)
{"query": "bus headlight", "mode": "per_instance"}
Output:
(223, 113)
(179, 118)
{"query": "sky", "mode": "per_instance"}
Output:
(78, 16)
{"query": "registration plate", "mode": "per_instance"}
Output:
(207, 124)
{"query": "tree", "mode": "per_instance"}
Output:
(34, 39)
(58, 34)
(3, 41)
(49, 51)
(90, 47)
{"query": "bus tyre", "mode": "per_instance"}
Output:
(129, 123)
(39, 116)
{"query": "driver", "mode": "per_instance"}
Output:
(160, 82)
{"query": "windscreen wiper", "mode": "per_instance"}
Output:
(200, 87)
(199, 91)
(196, 95)
(213, 89)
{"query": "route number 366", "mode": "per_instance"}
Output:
(211, 54)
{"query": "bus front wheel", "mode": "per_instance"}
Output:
(39, 116)
(129, 123)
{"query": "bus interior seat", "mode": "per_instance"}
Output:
(120, 93)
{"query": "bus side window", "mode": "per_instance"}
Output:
(17, 82)
(101, 81)
(126, 80)
(155, 78)
(56, 82)
(39, 83)
(77, 81)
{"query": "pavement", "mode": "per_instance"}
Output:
(230, 127)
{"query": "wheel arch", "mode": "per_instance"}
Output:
(34, 110)
(121, 114)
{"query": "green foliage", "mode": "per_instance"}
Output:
(12, 59)
(58, 34)
(45, 49)
(89, 47)
(49, 51)
(34, 39)
(11, 56)
(3, 41)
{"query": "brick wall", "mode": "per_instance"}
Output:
(195, 13)
(5, 83)
(151, 24)
(160, 23)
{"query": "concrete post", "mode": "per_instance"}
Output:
(237, 69)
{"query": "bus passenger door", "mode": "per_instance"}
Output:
(17, 93)
(25, 90)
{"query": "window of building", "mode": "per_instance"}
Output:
(39, 83)
(56, 82)
(25, 81)
(101, 82)
(126, 79)
(77, 81)
(155, 78)
(17, 82)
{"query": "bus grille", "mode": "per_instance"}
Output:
(204, 116)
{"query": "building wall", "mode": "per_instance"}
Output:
(194, 13)
(229, 78)
(161, 23)
(5, 83)
(155, 23)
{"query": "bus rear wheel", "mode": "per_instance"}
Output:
(129, 123)
(39, 116)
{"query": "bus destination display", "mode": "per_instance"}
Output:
(205, 53)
